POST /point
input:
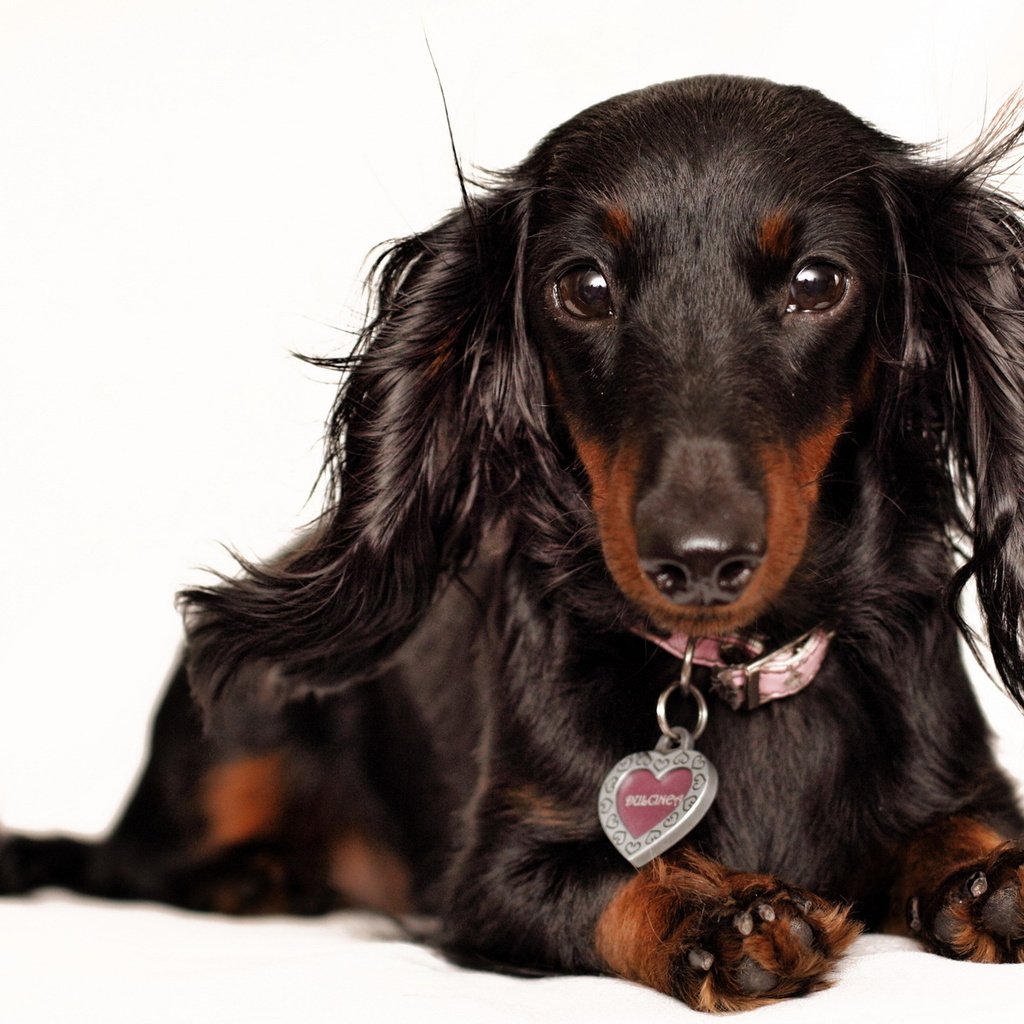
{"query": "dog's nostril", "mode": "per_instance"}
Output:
(733, 575)
(669, 579)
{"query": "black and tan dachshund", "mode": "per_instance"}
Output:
(673, 447)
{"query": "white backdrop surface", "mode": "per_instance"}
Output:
(188, 191)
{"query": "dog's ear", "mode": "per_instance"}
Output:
(441, 409)
(960, 252)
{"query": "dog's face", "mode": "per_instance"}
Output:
(705, 268)
(768, 355)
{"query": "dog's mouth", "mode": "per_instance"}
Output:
(717, 581)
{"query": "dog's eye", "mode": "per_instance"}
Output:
(583, 293)
(816, 287)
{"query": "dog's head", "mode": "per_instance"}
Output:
(705, 270)
(716, 352)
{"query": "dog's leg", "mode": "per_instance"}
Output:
(961, 889)
(721, 940)
(202, 831)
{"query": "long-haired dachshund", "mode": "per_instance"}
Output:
(628, 639)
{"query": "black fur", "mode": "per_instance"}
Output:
(447, 657)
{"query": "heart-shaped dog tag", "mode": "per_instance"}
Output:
(653, 798)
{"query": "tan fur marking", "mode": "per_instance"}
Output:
(775, 234)
(613, 486)
(969, 943)
(367, 874)
(534, 808)
(243, 799)
(630, 932)
(939, 851)
(617, 224)
(792, 486)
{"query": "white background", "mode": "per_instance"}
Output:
(188, 189)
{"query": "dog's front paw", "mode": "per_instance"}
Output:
(759, 943)
(977, 913)
(721, 940)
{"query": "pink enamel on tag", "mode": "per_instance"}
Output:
(643, 800)
(652, 799)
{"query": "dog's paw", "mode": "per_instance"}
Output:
(721, 940)
(757, 945)
(249, 879)
(977, 913)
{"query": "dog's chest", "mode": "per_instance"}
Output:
(793, 796)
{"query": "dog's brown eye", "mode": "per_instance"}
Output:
(816, 287)
(583, 293)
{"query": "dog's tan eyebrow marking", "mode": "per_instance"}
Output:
(616, 224)
(775, 234)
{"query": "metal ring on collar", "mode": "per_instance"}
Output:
(683, 685)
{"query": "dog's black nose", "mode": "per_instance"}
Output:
(700, 523)
(704, 570)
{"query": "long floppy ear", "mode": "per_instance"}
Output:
(960, 243)
(441, 408)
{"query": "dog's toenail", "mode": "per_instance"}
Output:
(914, 914)
(765, 912)
(700, 959)
(976, 885)
(744, 922)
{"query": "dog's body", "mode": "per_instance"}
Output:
(718, 358)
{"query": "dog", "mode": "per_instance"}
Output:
(627, 642)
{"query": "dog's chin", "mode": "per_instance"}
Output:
(701, 620)
(712, 620)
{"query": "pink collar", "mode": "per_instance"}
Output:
(744, 675)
